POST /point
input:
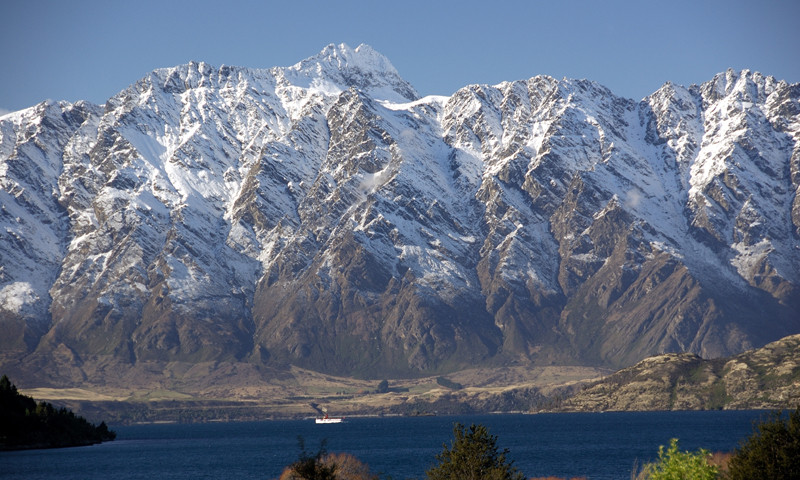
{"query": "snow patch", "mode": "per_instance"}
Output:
(324, 87)
(633, 198)
(372, 181)
(15, 296)
(434, 100)
(749, 257)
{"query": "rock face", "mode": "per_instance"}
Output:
(323, 215)
(765, 378)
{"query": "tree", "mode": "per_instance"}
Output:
(310, 467)
(473, 455)
(7, 386)
(771, 451)
(24, 423)
(383, 387)
(673, 464)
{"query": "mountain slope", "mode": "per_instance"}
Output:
(323, 215)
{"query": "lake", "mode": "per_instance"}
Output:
(600, 446)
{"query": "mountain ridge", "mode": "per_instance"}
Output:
(324, 215)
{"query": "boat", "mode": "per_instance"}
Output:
(327, 419)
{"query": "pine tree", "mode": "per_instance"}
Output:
(473, 455)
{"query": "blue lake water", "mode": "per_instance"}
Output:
(600, 446)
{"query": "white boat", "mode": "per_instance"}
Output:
(327, 419)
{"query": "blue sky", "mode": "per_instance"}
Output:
(82, 49)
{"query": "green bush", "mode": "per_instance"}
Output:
(772, 451)
(383, 387)
(473, 455)
(673, 464)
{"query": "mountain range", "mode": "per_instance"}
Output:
(326, 216)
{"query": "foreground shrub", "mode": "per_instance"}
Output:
(673, 464)
(558, 478)
(473, 455)
(772, 451)
(349, 467)
(308, 466)
(720, 460)
(326, 466)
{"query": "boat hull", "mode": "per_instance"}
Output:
(329, 420)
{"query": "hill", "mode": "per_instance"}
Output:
(764, 378)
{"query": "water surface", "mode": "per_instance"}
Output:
(600, 446)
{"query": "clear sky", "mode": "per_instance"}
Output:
(87, 49)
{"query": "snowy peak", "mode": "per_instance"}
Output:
(341, 67)
(341, 57)
(744, 86)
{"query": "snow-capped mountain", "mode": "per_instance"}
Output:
(324, 215)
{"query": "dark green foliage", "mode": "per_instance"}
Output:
(447, 383)
(312, 467)
(473, 455)
(772, 451)
(383, 387)
(27, 424)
